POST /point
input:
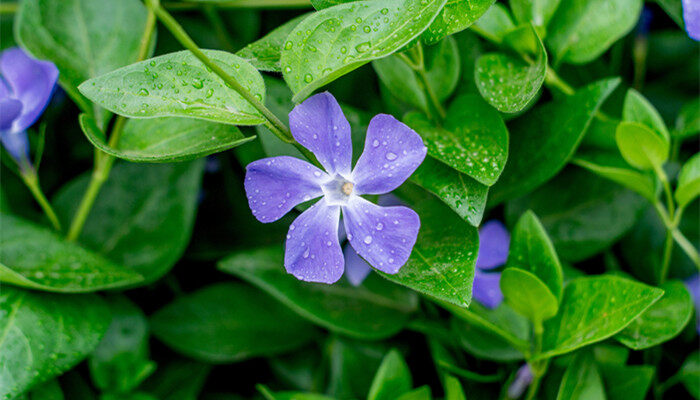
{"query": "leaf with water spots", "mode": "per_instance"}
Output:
(35, 257)
(456, 16)
(264, 53)
(45, 335)
(332, 42)
(179, 85)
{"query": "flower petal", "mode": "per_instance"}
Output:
(16, 143)
(691, 17)
(486, 289)
(276, 185)
(32, 82)
(320, 125)
(313, 253)
(356, 269)
(392, 152)
(9, 110)
(383, 236)
(523, 379)
(494, 242)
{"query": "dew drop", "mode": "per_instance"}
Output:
(391, 156)
(143, 92)
(368, 239)
(308, 78)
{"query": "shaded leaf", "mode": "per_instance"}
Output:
(264, 53)
(582, 380)
(688, 188)
(392, 378)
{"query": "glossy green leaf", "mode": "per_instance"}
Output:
(453, 389)
(443, 258)
(582, 380)
(581, 30)
(392, 378)
(374, 310)
(143, 215)
(614, 168)
(688, 188)
(690, 374)
(638, 109)
(353, 364)
(330, 43)
(473, 139)
(662, 321)
(179, 85)
(593, 309)
(35, 257)
(539, 12)
(525, 293)
(45, 335)
(495, 23)
(508, 82)
(321, 4)
(532, 250)
(264, 53)
(640, 146)
(626, 382)
(79, 37)
(422, 393)
(543, 140)
(688, 120)
(229, 322)
(581, 222)
(166, 139)
(120, 362)
(461, 193)
(456, 16)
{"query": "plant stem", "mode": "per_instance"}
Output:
(666, 258)
(687, 247)
(417, 64)
(539, 368)
(31, 179)
(189, 5)
(552, 79)
(668, 221)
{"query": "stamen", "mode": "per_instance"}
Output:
(347, 188)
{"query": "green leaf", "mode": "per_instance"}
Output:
(539, 12)
(688, 188)
(352, 366)
(613, 167)
(636, 108)
(120, 362)
(422, 393)
(473, 140)
(330, 43)
(35, 257)
(80, 37)
(179, 85)
(443, 258)
(268, 395)
(688, 120)
(374, 310)
(45, 335)
(581, 222)
(229, 322)
(50, 390)
(456, 16)
(662, 321)
(177, 380)
(392, 379)
(640, 146)
(582, 380)
(453, 389)
(143, 215)
(321, 4)
(508, 82)
(166, 139)
(544, 139)
(264, 53)
(626, 382)
(690, 374)
(525, 293)
(461, 193)
(581, 30)
(532, 250)
(442, 71)
(495, 23)
(594, 309)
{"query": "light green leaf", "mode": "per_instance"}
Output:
(594, 309)
(45, 335)
(581, 30)
(495, 23)
(330, 43)
(84, 38)
(525, 293)
(35, 257)
(264, 53)
(614, 168)
(508, 82)
(392, 379)
(456, 16)
(229, 322)
(688, 181)
(422, 393)
(544, 139)
(661, 322)
(375, 310)
(473, 140)
(640, 146)
(638, 109)
(179, 85)
(539, 12)
(582, 380)
(143, 215)
(453, 389)
(166, 139)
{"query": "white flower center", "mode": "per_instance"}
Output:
(338, 190)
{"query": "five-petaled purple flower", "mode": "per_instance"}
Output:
(494, 242)
(693, 285)
(25, 90)
(383, 236)
(691, 17)
(523, 379)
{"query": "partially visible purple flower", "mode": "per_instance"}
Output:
(691, 17)
(693, 285)
(25, 90)
(383, 236)
(494, 241)
(522, 380)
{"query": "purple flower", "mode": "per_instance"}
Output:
(494, 241)
(383, 236)
(693, 285)
(522, 380)
(25, 89)
(691, 17)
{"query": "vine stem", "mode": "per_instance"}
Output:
(31, 179)
(538, 368)
(417, 64)
(670, 206)
(553, 79)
